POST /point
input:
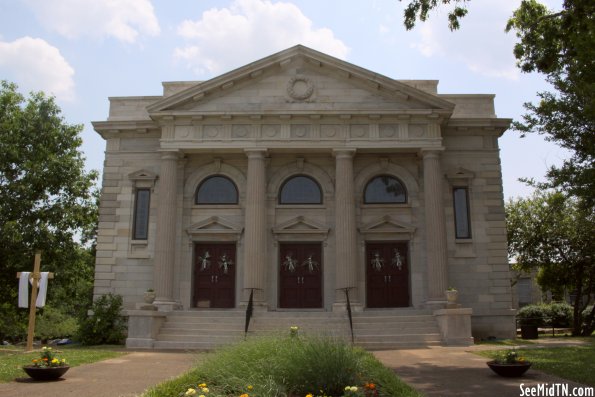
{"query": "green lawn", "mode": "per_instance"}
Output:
(574, 363)
(13, 358)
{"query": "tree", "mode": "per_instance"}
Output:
(419, 9)
(555, 233)
(47, 200)
(561, 45)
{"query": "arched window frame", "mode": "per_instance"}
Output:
(210, 177)
(372, 179)
(287, 180)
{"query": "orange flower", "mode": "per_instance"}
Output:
(244, 395)
(370, 386)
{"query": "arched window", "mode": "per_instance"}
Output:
(300, 189)
(385, 189)
(217, 189)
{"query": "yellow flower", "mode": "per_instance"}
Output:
(202, 385)
(205, 389)
(250, 387)
(309, 395)
(55, 361)
(244, 395)
(190, 392)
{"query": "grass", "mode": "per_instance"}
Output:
(275, 366)
(13, 358)
(569, 362)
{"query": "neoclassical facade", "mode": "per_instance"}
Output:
(299, 176)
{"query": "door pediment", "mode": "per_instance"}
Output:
(215, 228)
(300, 228)
(385, 227)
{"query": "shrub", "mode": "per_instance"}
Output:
(532, 315)
(52, 324)
(270, 367)
(588, 323)
(560, 315)
(106, 325)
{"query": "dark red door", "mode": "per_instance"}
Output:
(387, 274)
(214, 275)
(300, 275)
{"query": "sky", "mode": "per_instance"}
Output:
(84, 51)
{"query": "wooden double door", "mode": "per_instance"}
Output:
(387, 274)
(300, 275)
(214, 275)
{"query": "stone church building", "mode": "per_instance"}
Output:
(299, 177)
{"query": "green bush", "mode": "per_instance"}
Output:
(52, 324)
(559, 315)
(588, 325)
(270, 367)
(13, 322)
(105, 325)
(532, 315)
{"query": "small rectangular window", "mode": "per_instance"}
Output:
(461, 207)
(141, 214)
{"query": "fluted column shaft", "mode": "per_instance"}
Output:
(255, 223)
(435, 227)
(165, 236)
(345, 221)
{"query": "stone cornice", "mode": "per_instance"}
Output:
(499, 125)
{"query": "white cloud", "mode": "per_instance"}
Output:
(481, 43)
(225, 38)
(124, 20)
(35, 65)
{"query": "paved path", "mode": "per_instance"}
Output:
(434, 371)
(125, 376)
(455, 371)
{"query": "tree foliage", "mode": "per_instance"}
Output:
(47, 202)
(561, 45)
(556, 234)
(419, 9)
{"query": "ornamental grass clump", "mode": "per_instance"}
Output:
(295, 366)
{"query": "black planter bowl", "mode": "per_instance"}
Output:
(509, 370)
(45, 373)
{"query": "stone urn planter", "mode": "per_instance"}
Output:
(149, 296)
(45, 373)
(509, 370)
(452, 295)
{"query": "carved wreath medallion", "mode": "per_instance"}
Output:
(300, 88)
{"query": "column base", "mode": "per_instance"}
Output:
(166, 305)
(435, 304)
(455, 326)
(342, 307)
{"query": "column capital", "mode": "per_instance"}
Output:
(170, 154)
(431, 152)
(255, 153)
(344, 153)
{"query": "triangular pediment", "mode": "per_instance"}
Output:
(142, 175)
(299, 80)
(300, 225)
(214, 225)
(387, 225)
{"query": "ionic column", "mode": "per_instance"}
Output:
(435, 227)
(255, 225)
(165, 236)
(345, 223)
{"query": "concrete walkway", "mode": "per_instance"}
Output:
(434, 371)
(456, 371)
(126, 376)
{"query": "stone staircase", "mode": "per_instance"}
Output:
(373, 329)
